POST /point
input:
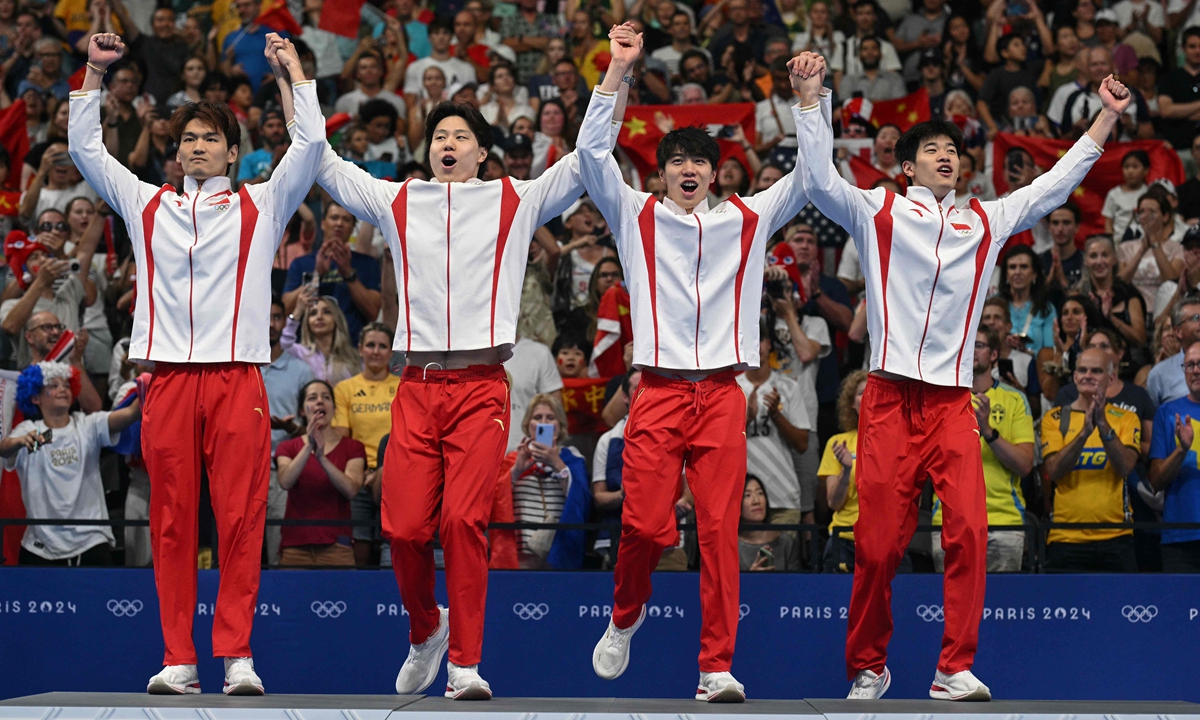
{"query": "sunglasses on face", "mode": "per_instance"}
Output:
(49, 226)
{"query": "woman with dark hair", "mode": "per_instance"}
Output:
(1154, 258)
(737, 63)
(962, 56)
(606, 273)
(551, 142)
(195, 77)
(732, 179)
(769, 550)
(1056, 364)
(1063, 66)
(1023, 285)
(320, 470)
(503, 104)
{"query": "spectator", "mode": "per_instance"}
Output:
(574, 103)
(542, 85)
(1140, 16)
(960, 53)
(162, 55)
(384, 143)
(502, 105)
(528, 33)
(320, 470)
(349, 277)
(1006, 441)
(608, 493)
(1013, 358)
(364, 413)
(546, 482)
(1002, 80)
(1063, 263)
(920, 31)
(1172, 443)
(777, 424)
(20, 62)
(1122, 201)
(48, 284)
(47, 76)
(1073, 105)
(257, 166)
(243, 50)
(773, 116)
(1063, 66)
(732, 179)
(767, 176)
(415, 19)
(837, 472)
(1166, 381)
(960, 110)
(971, 185)
(433, 92)
(372, 84)
(56, 455)
(518, 156)
(848, 61)
(579, 256)
(820, 37)
(571, 355)
(1119, 302)
(1189, 192)
(1155, 258)
(324, 340)
(1021, 116)
(43, 332)
(532, 371)
(551, 142)
(1029, 25)
(696, 67)
(682, 40)
(283, 379)
(122, 121)
(764, 550)
(57, 181)
(1056, 365)
(1090, 448)
(931, 73)
(1023, 285)
(740, 27)
(872, 82)
(464, 47)
(86, 227)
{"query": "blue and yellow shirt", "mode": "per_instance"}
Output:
(1182, 503)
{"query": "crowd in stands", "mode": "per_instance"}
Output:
(1086, 363)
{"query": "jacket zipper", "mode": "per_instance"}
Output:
(447, 267)
(699, 254)
(933, 290)
(191, 278)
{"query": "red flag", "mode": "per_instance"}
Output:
(9, 202)
(1104, 175)
(75, 82)
(275, 15)
(341, 18)
(583, 399)
(640, 133)
(866, 174)
(15, 139)
(614, 329)
(903, 112)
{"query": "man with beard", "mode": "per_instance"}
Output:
(518, 156)
(873, 83)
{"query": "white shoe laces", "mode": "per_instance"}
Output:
(618, 639)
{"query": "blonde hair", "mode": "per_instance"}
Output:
(342, 353)
(551, 402)
(847, 415)
(1086, 285)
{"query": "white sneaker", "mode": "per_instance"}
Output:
(611, 656)
(959, 686)
(720, 687)
(869, 686)
(240, 678)
(421, 667)
(463, 683)
(175, 680)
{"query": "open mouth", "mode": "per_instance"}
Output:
(449, 161)
(689, 186)
(945, 170)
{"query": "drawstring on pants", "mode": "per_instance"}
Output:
(425, 370)
(699, 398)
(914, 401)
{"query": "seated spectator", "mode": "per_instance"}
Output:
(433, 92)
(1178, 93)
(960, 110)
(1155, 258)
(697, 67)
(1063, 66)
(608, 494)
(1090, 447)
(501, 105)
(550, 485)
(1108, 33)
(773, 116)
(932, 77)
(48, 76)
(1021, 117)
(767, 176)
(456, 70)
(820, 37)
(972, 184)
(919, 31)
(1189, 192)
(546, 82)
(518, 156)
(1006, 442)
(56, 455)
(319, 337)
(1073, 105)
(764, 550)
(1166, 381)
(867, 23)
(1056, 365)
(837, 472)
(1120, 304)
(56, 182)
(1013, 364)
(682, 40)
(571, 354)
(195, 72)
(1122, 201)
(257, 166)
(1013, 73)
(320, 470)
(371, 84)
(1062, 263)
(351, 278)
(1125, 395)
(732, 179)
(364, 413)
(873, 83)
(552, 140)
(1023, 285)
(384, 142)
(1172, 443)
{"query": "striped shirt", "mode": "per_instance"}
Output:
(768, 456)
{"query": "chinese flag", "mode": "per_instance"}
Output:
(9, 201)
(341, 17)
(640, 133)
(1104, 175)
(275, 15)
(75, 82)
(583, 399)
(614, 328)
(15, 139)
(866, 174)
(904, 112)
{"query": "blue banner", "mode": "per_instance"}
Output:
(1125, 637)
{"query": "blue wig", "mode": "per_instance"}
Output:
(33, 380)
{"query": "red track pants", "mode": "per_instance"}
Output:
(216, 414)
(449, 432)
(700, 425)
(909, 430)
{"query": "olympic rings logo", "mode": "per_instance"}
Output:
(328, 608)
(931, 613)
(531, 611)
(743, 611)
(1139, 613)
(124, 608)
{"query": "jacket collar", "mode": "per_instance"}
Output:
(211, 186)
(670, 204)
(924, 196)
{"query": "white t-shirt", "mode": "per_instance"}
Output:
(600, 469)
(1020, 361)
(1126, 8)
(58, 199)
(772, 118)
(850, 266)
(456, 72)
(581, 277)
(847, 62)
(669, 56)
(1193, 18)
(351, 101)
(805, 374)
(1086, 105)
(1119, 206)
(532, 371)
(62, 480)
(768, 456)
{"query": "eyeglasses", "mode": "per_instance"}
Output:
(48, 327)
(48, 226)
(1192, 366)
(47, 54)
(1191, 318)
(610, 276)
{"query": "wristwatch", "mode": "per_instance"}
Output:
(351, 277)
(1112, 433)
(995, 436)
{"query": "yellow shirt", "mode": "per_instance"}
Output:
(1092, 491)
(847, 515)
(365, 407)
(74, 14)
(1013, 420)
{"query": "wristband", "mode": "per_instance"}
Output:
(97, 69)
(628, 79)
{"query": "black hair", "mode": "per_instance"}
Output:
(500, 66)
(537, 123)
(1193, 31)
(867, 3)
(568, 341)
(859, 120)
(304, 391)
(779, 64)
(917, 135)
(215, 79)
(277, 300)
(409, 167)
(1037, 289)
(766, 500)
(1073, 208)
(689, 142)
(376, 108)
(1140, 155)
(237, 81)
(1006, 40)
(475, 122)
(441, 24)
(690, 54)
(872, 38)
(1164, 205)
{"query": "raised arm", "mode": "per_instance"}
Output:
(297, 169)
(114, 182)
(837, 199)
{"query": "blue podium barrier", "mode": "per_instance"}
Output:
(1127, 637)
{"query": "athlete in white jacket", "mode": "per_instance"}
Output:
(926, 265)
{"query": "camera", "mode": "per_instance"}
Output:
(778, 289)
(75, 266)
